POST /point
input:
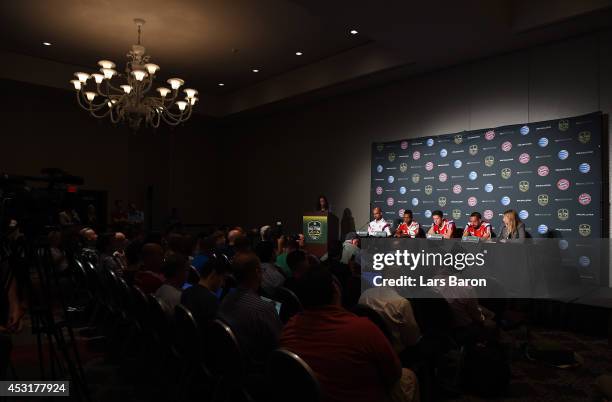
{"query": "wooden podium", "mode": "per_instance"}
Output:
(320, 230)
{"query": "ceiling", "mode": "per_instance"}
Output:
(207, 42)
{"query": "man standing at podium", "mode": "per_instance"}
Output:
(378, 224)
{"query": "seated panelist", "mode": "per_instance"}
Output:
(477, 227)
(409, 227)
(378, 224)
(441, 226)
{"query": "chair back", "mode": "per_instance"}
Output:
(188, 340)
(290, 303)
(291, 378)
(223, 355)
(159, 320)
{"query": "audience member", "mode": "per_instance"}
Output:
(89, 239)
(150, 277)
(58, 256)
(271, 278)
(106, 249)
(201, 298)
(351, 357)
(288, 245)
(174, 269)
(255, 321)
(297, 261)
(350, 247)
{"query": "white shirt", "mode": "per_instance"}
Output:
(379, 226)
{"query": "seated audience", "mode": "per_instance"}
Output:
(106, 249)
(288, 244)
(174, 269)
(350, 247)
(201, 299)
(297, 261)
(271, 278)
(88, 238)
(205, 250)
(58, 256)
(351, 357)
(255, 321)
(149, 278)
(397, 313)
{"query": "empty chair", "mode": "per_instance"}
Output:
(291, 379)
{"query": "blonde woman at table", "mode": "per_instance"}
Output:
(513, 228)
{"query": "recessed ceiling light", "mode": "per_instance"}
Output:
(47, 43)
(255, 70)
(354, 32)
(221, 84)
(298, 53)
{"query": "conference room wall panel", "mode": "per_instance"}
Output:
(332, 138)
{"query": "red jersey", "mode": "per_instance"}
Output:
(483, 229)
(411, 230)
(445, 227)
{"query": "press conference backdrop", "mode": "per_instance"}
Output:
(550, 172)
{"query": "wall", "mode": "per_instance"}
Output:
(279, 163)
(44, 127)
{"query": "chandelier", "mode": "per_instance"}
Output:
(131, 102)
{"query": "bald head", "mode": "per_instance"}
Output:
(377, 213)
(233, 235)
(247, 270)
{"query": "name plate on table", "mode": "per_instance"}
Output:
(470, 239)
(435, 236)
(362, 233)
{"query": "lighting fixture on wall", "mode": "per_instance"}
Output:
(129, 102)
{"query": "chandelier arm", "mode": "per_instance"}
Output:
(102, 116)
(78, 96)
(116, 116)
(155, 123)
(172, 123)
(174, 116)
(121, 91)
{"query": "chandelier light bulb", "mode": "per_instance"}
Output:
(190, 92)
(193, 100)
(175, 83)
(163, 91)
(83, 77)
(98, 78)
(90, 96)
(151, 68)
(126, 88)
(76, 83)
(139, 74)
(181, 105)
(108, 73)
(106, 64)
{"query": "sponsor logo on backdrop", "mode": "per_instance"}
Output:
(379, 168)
(391, 156)
(563, 214)
(404, 144)
(380, 147)
(473, 175)
(390, 201)
(505, 200)
(430, 142)
(402, 190)
(506, 173)
(584, 136)
(403, 167)
(427, 213)
(524, 186)
(472, 201)
(563, 154)
(489, 161)
(401, 212)
(488, 187)
(543, 199)
(429, 166)
(416, 155)
(584, 229)
(506, 146)
(584, 168)
(456, 214)
(523, 214)
(563, 244)
(415, 201)
(416, 178)
(441, 201)
(442, 177)
(488, 214)
(543, 171)
(473, 149)
(457, 164)
(524, 158)
(524, 130)
(563, 184)
(543, 142)
(443, 152)
(584, 199)
(379, 190)
(457, 189)
(563, 125)
(542, 229)
(390, 179)
(458, 138)
(314, 229)
(489, 135)
(584, 261)
(428, 190)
